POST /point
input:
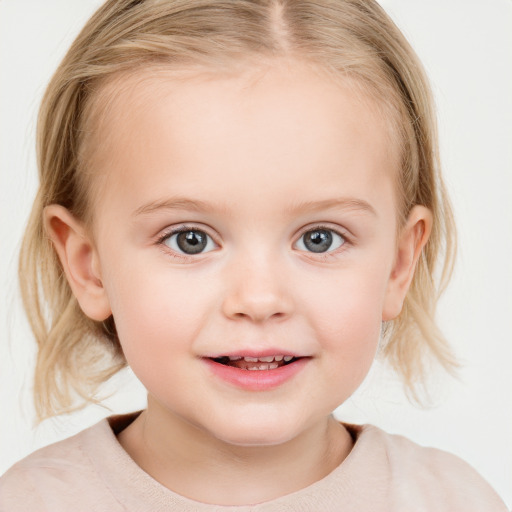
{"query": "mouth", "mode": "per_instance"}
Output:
(256, 363)
(256, 372)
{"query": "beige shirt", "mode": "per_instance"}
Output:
(91, 472)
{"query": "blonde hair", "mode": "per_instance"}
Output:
(351, 39)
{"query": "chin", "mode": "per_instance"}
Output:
(256, 433)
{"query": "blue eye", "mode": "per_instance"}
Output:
(320, 240)
(189, 241)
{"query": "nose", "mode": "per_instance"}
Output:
(257, 290)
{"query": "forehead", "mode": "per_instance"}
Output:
(281, 119)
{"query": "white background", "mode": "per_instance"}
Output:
(466, 46)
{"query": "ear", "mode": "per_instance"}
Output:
(412, 239)
(79, 260)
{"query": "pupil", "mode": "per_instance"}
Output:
(318, 241)
(191, 242)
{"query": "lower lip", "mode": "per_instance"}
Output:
(256, 380)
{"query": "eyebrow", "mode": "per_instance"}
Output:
(176, 203)
(344, 203)
(183, 203)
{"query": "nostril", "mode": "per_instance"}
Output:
(259, 316)
(257, 301)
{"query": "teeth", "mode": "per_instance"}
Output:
(261, 363)
(267, 366)
(266, 359)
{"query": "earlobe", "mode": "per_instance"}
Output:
(79, 260)
(412, 239)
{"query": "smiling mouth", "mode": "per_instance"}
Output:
(256, 363)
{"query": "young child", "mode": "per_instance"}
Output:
(241, 200)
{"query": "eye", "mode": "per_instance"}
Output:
(189, 241)
(320, 240)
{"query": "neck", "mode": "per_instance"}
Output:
(194, 464)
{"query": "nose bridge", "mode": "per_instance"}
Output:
(256, 286)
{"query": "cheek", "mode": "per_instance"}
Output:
(348, 321)
(157, 326)
(156, 313)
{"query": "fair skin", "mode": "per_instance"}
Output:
(277, 171)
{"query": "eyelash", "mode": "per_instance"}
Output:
(320, 255)
(347, 242)
(176, 231)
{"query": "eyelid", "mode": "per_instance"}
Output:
(345, 233)
(172, 230)
(184, 227)
(325, 226)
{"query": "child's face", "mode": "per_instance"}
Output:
(285, 185)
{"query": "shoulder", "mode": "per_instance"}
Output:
(430, 478)
(58, 477)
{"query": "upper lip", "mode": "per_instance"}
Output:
(255, 353)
